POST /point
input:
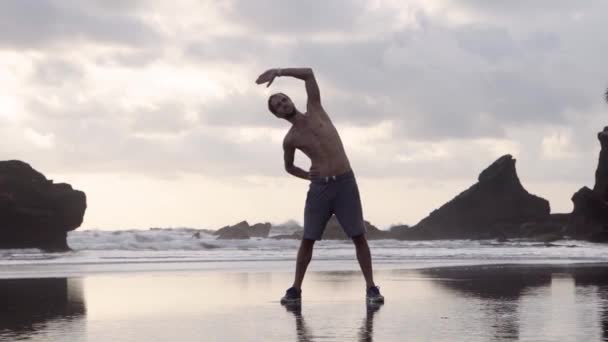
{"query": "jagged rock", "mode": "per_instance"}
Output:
(497, 202)
(35, 212)
(590, 213)
(260, 230)
(601, 173)
(405, 232)
(238, 231)
(334, 231)
(554, 226)
(242, 230)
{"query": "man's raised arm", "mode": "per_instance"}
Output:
(305, 74)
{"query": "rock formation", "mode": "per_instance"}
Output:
(243, 230)
(334, 231)
(35, 212)
(590, 214)
(495, 206)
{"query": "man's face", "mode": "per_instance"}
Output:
(282, 105)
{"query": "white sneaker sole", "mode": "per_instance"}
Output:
(375, 300)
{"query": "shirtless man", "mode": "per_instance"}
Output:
(333, 188)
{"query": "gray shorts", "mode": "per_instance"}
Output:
(337, 195)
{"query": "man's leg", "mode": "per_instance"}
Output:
(304, 256)
(365, 259)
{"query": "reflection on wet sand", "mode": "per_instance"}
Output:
(302, 331)
(598, 281)
(28, 305)
(500, 290)
(304, 334)
(366, 332)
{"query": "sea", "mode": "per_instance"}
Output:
(101, 251)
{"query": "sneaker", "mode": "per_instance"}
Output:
(292, 295)
(374, 296)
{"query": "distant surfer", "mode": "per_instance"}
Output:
(333, 188)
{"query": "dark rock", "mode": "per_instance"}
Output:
(547, 238)
(334, 231)
(493, 207)
(601, 173)
(35, 212)
(239, 232)
(260, 230)
(599, 236)
(555, 225)
(590, 214)
(242, 230)
(405, 232)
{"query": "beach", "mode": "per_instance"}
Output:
(530, 302)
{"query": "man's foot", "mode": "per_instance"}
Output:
(292, 295)
(373, 295)
(294, 307)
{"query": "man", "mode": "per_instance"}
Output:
(333, 188)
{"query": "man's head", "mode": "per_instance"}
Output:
(281, 106)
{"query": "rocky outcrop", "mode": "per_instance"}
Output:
(589, 219)
(334, 231)
(495, 206)
(243, 230)
(601, 173)
(35, 212)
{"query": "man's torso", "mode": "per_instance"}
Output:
(318, 139)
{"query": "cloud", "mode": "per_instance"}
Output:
(229, 49)
(39, 23)
(165, 118)
(56, 72)
(239, 109)
(456, 94)
(274, 16)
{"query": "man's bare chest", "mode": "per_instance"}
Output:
(315, 132)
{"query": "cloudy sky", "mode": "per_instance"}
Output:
(150, 107)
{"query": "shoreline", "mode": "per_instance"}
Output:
(40, 271)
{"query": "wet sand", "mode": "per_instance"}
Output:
(472, 303)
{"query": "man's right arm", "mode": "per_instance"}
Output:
(308, 76)
(289, 155)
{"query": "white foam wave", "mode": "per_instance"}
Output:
(165, 240)
(173, 246)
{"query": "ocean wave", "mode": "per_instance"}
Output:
(183, 245)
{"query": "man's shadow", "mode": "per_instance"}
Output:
(304, 334)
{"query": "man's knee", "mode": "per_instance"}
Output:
(359, 239)
(307, 244)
